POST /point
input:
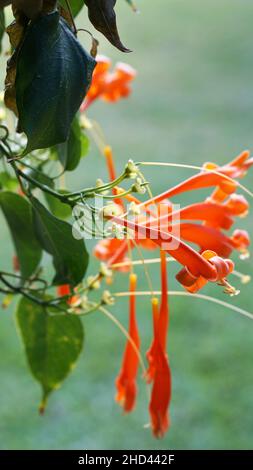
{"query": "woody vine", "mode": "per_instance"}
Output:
(44, 216)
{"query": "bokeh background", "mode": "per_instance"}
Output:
(192, 102)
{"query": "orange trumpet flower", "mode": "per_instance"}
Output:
(109, 86)
(159, 370)
(126, 380)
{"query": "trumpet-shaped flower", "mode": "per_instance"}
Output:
(126, 380)
(109, 85)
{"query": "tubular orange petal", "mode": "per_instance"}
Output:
(110, 162)
(160, 320)
(161, 374)
(160, 396)
(183, 253)
(240, 159)
(193, 284)
(126, 380)
(217, 215)
(199, 181)
(164, 308)
(207, 238)
(112, 171)
(190, 283)
(237, 205)
(150, 354)
(236, 169)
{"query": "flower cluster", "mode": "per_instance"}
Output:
(157, 224)
(203, 224)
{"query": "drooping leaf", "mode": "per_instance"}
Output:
(2, 27)
(18, 214)
(52, 344)
(53, 75)
(75, 5)
(70, 257)
(102, 16)
(74, 149)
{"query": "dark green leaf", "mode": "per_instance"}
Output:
(58, 208)
(102, 16)
(77, 146)
(52, 343)
(2, 27)
(75, 5)
(18, 214)
(53, 76)
(70, 257)
(39, 176)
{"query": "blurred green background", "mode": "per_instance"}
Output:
(192, 102)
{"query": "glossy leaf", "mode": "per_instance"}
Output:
(18, 214)
(74, 149)
(52, 343)
(70, 257)
(102, 16)
(53, 76)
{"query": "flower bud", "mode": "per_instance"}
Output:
(104, 271)
(107, 298)
(138, 186)
(131, 170)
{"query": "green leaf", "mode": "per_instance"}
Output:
(52, 344)
(74, 149)
(38, 175)
(53, 75)
(70, 257)
(7, 181)
(18, 214)
(102, 16)
(75, 5)
(58, 208)
(2, 27)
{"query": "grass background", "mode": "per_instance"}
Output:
(192, 102)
